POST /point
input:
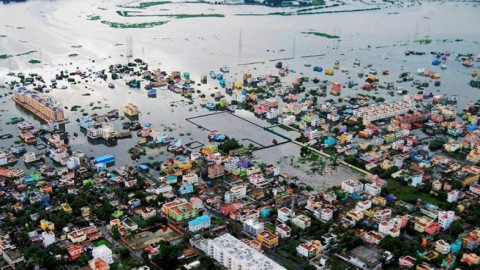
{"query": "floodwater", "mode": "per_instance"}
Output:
(56, 29)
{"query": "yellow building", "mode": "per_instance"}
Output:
(469, 179)
(386, 164)
(66, 207)
(474, 156)
(267, 238)
(47, 225)
(85, 211)
(379, 200)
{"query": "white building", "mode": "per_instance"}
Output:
(235, 193)
(284, 231)
(382, 215)
(310, 248)
(442, 247)
(417, 179)
(48, 238)
(389, 228)
(236, 255)
(475, 188)
(77, 236)
(302, 221)
(398, 161)
(352, 186)
(452, 196)
(445, 219)
(72, 162)
(363, 205)
(190, 179)
(284, 214)
(383, 110)
(372, 189)
(326, 214)
(200, 223)
(253, 227)
(147, 213)
(104, 253)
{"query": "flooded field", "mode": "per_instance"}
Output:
(286, 157)
(245, 132)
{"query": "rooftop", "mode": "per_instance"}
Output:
(249, 256)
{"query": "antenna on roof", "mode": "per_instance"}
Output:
(129, 49)
(293, 51)
(292, 210)
(240, 44)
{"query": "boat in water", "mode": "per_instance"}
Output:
(225, 69)
(25, 125)
(213, 75)
(16, 120)
(443, 66)
(474, 73)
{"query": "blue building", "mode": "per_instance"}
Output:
(144, 168)
(107, 159)
(329, 141)
(185, 189)
(171, 179)
(200, 223)
(86, 122)
(456, 246)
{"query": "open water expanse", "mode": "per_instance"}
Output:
(246, 39)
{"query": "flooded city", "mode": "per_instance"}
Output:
(281, 111)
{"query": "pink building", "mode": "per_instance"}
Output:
(407, 261)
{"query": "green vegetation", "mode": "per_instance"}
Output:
(144, 5)
(140, 222)
(436, 144)
(423, 41)
(75, 108)
(102, 242)
(25, 53)
(299, 12)
(185, 16)
(34, 61)
(289, 251)
(1, 36)
(76, 46)
(73, 55)
(168, 256)
(318, 2)
(398, 246)
(229, 144)
(320, 34)
(6, 56)
(473, 83)
(93, 18)
(410, 194)
(133, 25)
(176, 16)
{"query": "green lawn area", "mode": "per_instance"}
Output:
(217, 221)
(102, 242)
(140, 222)
(288, 250)
(269, 226)
(410, 194)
